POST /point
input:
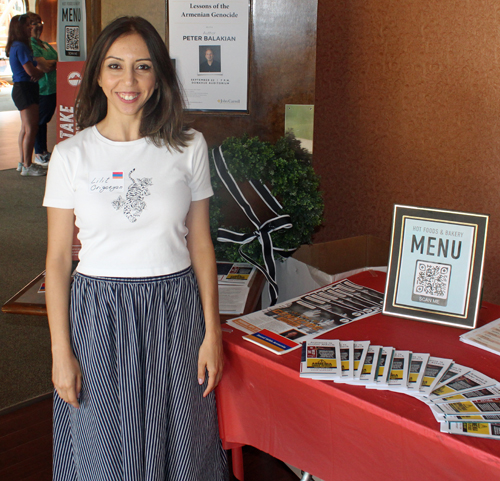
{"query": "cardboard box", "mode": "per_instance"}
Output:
(317, 265)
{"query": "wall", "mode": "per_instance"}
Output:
(282, 71)
(152, 10)
(47, 9)
(407, 111)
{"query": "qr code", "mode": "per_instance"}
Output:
(432, 280)
(72, 39)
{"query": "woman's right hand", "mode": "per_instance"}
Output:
(67, 377)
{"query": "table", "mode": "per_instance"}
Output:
(338, 432)
(30, 301)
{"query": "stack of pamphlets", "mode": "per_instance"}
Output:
(486, 337)
(234, 286)
(463, 400)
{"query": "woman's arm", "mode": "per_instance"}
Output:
(66, 374)
(44, 65)
(35, 73)
(202, 254)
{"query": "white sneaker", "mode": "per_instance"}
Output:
(19, 166)
(33, 171)
(42, 160)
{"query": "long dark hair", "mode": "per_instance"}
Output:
(163, 114)
(17, 32)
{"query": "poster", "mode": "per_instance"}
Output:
(436, 265)
(209, 43)
(71, 30)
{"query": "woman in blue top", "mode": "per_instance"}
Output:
(25, 92)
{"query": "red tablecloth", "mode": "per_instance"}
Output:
(338, 432)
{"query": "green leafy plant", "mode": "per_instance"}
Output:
(285, 167)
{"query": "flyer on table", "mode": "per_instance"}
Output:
(209, 42)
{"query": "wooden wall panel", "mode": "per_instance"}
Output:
(407, 111)
(282, 71)
(152, 10)
(47, 9)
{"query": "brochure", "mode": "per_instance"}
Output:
(399, 371)
(271, 341)
(369, 371)
(383, 369)
(489, 406)
(486, 337)
(306, 317)
(489, 392)
(234, 286)
(319, 359)
(417, 370)
(235, 273)
(436, 367)
(483, 430)
(471, 381)
(454, 371)
(232, 299)
(360, 352)
(345, 360)
(476, 418)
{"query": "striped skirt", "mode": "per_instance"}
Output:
(142, 415)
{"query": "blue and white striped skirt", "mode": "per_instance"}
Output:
(142, 414)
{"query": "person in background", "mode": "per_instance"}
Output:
(46, 58)
(25, 92)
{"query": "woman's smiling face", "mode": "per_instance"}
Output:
(127, 77)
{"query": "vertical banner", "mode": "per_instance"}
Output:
(209, 42)
(71, 30)
(69, 76)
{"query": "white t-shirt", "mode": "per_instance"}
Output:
(130, 201)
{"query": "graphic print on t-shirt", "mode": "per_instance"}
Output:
(134, 204)
(105, 181)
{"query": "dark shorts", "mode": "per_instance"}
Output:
(25, 94)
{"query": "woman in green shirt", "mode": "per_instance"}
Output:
(46, 57)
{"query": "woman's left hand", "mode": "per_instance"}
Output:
(211, 359)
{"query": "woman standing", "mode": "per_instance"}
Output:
(46, 58)
(25, 92)
(137, 351)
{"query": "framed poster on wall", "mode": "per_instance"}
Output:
(209, 43)
(436, 265)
